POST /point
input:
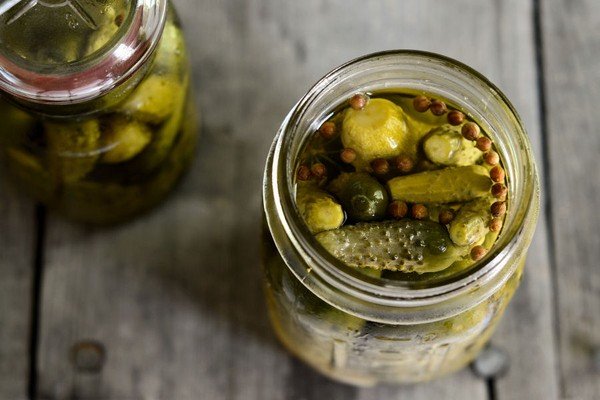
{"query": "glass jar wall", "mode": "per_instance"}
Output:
(100, 125)
(364, 329)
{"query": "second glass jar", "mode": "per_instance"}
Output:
(119, 152)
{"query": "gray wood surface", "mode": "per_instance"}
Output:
(170, 306)
(572, 71)
(527, 331)
(17, 225)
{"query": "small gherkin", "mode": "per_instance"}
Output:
(405, 245)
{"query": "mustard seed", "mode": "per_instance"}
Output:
(484, 144)
(498, 209)
(421, 103)
(497, 174)
(327, 130)
(398, 209)
(491, 158)
(495, 224)
(358, 101)
(438, 107)
(455, 117)
(419, 211)
(470, 131)
(348, 155)
(446, 216)
(380, 166)
(478, 252)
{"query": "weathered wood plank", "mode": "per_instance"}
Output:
(175, 297)
(572, 74)
(17, 224)
(527, 332)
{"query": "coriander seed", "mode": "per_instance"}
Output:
(438, 108)
(455, 117)
(421, 103)
(398, 209)
(470, 131)
(358, 101)
(419, 211)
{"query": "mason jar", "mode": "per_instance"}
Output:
(98, 121)
(361, 329)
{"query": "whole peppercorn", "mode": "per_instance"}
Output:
(380, 166)
(495, 224)
(491, 158)
(497, 174)
(398, 209)
(318, 170)
(455, 117)
(327, 130)
(404, 164)
(446, 216)
(484, 144)
(421, 103)
(438, 107)
(303, 173)
(478, 252)
(358, 101)
(419, 211)
(470, 131)
(499, 190)
(348, 155)
(498, 209)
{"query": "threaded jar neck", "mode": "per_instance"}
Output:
(398, 301)
(82, 49)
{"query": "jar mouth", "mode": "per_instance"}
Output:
(460, 84)
(93, 75)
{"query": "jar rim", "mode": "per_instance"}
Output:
(328, 275)
(93, 77)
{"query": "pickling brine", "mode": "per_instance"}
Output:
(386, 259)
(102, 125)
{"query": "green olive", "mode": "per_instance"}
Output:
(361, 195)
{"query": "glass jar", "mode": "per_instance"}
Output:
(98, 121)
(363, 330)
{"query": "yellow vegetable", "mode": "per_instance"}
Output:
(73, 148)
(448, 185)
(318, 208)
(124, 138)
(154, 99)
(379, 130)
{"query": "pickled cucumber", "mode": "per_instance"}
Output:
(361, 195)
(377, 131)
(448, 185)
(170, 56)
(154, 99)
(319, 209)
(73, 148)
(471, 222)
(445, 145)
(405, 245)
(123, 139)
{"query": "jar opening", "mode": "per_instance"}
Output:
(405, 71)
(91, 47)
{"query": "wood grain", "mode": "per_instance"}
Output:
(17, 243)
(526, 332)
(175, 296)
(572, 70)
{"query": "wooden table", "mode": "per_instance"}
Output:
(173, 300)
